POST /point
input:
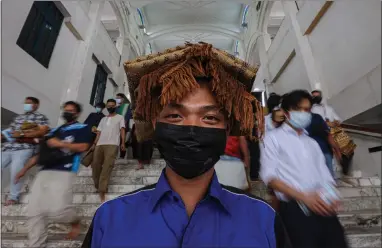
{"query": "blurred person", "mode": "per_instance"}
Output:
(273, 103)
(293, 165)
(323, 109)
(187, 97)
(93, 121)
(110, 131)
(231, 168)
(124, 109)
(338, 135)
(24, 129)
(51, 194)
(95, 118)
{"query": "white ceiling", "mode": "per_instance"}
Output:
(172, 23)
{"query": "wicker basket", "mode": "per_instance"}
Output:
(343, 140)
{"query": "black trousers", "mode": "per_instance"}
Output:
(254, 150)
(311, 231)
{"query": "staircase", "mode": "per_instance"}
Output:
(361, 214)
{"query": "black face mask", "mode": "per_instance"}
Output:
(68, 117)
(190, 150)
(317, 99)
(111, 110)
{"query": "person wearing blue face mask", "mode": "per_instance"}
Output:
(293, 165)
(24, 130)
(95, 118)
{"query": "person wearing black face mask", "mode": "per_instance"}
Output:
(111, 130)
(51, 194)
(194, 98)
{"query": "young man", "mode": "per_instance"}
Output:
(95, 118)
(124, 109)
(111, 130)
(326, 111)
(51, 194)
(293, 165)
(188, 95)
(18, 152)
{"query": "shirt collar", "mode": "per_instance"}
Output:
(215, 192)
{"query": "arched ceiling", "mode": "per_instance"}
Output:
(171, 23)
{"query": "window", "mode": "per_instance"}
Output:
(99, 86)
(258, 5)
(40, 31)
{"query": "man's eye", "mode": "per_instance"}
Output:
(173, 116)
(211, 118)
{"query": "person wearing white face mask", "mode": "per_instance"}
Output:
(293, 165)
(23, 132)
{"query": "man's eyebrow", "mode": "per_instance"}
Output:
(212, 108)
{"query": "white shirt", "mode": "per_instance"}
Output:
(110, 128)
(295, 159)
(326, 112)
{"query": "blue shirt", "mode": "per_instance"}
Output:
(73, 133)
(155, 216)
(319, 131)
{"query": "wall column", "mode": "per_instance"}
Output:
(315, 81)
(74, 75)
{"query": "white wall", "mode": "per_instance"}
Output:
(368, 163)
(346, 45)
(342, 53)
(22, 75)
(105, 51)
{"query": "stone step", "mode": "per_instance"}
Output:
(85, 185)
(357, 238)
(86, 204)
(16, 224)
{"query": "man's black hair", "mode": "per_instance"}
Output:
(294, 98)
(76, 105)
(273, 101)
(317, 91)
(112, 100)
(101, 105)
(33, 99)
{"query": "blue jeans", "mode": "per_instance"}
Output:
(329, 162)
(17, 160)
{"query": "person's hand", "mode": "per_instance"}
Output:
(123, 147)
(19, 175)
(337, 153)
(315, 203)
(247, 162)
(94, 129)
(56, 143)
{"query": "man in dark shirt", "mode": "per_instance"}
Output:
(199, 92)
(320, 132)
(51, 193)
(94, 119)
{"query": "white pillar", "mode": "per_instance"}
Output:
(315, 81)
(74, 74)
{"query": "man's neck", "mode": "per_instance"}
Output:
(112, 115)
(191, 191)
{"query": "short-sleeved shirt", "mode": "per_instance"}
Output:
(74, 133)
(32, 117)
(319, 131)
(110, 128)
